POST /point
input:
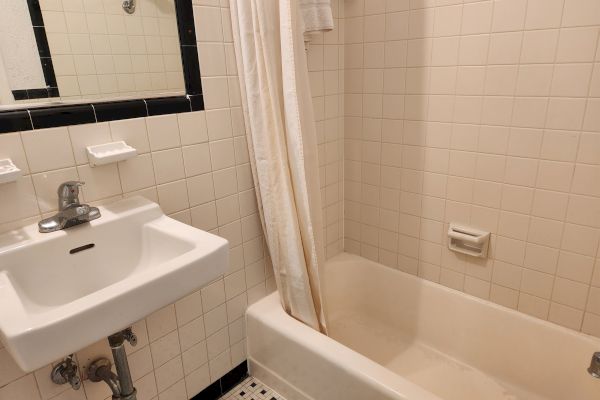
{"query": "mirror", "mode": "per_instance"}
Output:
(87, 51)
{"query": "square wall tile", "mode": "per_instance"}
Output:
(11, 146)
(163, 132)
(48, 149)
(168, 165)
(100, 182)
(133, 132)
(18, 200)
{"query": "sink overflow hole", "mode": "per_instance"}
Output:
(81, 248)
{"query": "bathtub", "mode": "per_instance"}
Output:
(394, 336)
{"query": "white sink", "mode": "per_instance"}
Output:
(59, 294)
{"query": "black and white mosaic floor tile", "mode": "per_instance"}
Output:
(252, 389)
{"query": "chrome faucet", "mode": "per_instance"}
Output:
(594, 369)
(70, 211)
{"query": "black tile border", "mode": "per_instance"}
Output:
(168, 105)
(35, 12)
(28, 94)
(220, 387)
(120, 110)
(189, 49)
(197, 102)
(68, 115)
(14, 121)
(29, 118)
(39, 31)
(88, 113)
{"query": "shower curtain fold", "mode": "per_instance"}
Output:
(281, 132)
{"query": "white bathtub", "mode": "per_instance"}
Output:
(394, 336)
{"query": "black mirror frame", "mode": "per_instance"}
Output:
(39, 32)
(30, 118)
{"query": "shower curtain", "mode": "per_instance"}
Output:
(281, 132)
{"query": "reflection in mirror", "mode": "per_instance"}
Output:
(55, 50)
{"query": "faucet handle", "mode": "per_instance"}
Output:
(69, 188)
(68, 193)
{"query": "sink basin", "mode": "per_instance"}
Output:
(62, 291)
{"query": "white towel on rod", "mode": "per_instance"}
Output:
(317, 15)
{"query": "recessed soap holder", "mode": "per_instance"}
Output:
(109, 153)
(8, 171)
(467, 240)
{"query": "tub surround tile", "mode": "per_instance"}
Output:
(496, 129)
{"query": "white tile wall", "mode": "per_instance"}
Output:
(196, 336)
(325, 65)
(483, 112)
(196, 166)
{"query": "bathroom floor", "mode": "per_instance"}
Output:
(252, 389)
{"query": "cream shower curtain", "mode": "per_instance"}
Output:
(269, 46)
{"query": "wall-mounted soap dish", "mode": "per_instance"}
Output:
(109, 153)
(8, 171)
(467, 240)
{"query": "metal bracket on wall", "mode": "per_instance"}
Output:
(129, 6)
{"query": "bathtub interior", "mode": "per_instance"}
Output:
(453, 345)
(303, 364)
